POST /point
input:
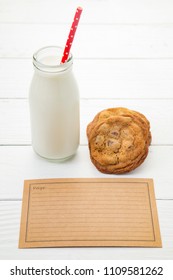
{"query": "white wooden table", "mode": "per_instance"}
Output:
(123, 56)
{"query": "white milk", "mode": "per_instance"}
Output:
(54, 105)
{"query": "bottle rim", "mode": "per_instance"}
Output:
(59, 67)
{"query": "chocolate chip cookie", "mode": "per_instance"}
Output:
(118, 140)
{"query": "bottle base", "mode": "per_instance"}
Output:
(55, 159)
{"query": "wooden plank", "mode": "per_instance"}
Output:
(95, 11)
(18, 163)
(15, 123)
(9, 235)
(92, 41)
(101, 78)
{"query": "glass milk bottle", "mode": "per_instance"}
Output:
(54, 105)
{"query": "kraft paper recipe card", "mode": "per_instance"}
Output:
(89, 212)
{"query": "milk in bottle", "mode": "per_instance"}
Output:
(54, 105)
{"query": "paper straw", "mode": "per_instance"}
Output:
(71, 35)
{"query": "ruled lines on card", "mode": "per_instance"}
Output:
(78, 212)
(89, 212)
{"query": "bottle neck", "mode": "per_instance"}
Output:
(48, 60)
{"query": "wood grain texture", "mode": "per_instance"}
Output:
(15, 119)
(54, 11)
(100, 78)
(22, 163)
(91, 41)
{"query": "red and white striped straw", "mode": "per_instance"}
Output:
(71, 35)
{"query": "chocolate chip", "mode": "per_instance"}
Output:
(114, 133)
